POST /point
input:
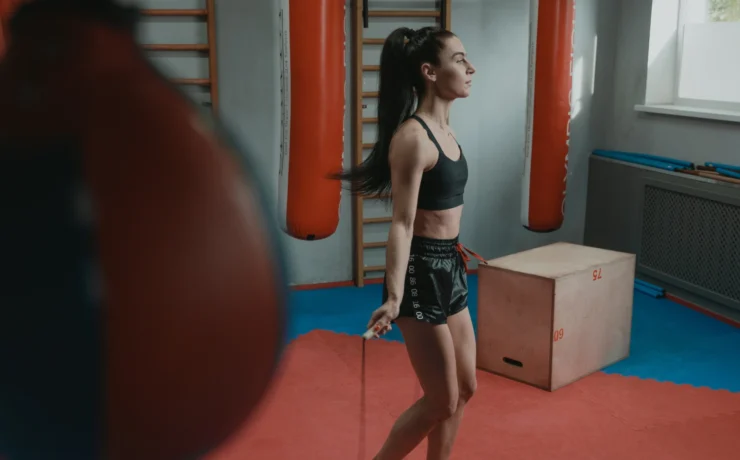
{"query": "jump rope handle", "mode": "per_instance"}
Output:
(369, 334)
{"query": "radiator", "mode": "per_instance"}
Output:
(692, 239)
(685, 230)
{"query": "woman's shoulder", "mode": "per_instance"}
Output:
(412, 135)
(412, 141)
(409, 129)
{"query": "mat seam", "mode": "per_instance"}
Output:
(654, 426)
(649, 426)
(668, 382)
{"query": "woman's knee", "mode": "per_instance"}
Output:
(443, 406)
(467, 389)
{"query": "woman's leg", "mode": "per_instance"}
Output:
(432, 354)
(442, 437)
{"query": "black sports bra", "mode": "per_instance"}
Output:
(443, 186)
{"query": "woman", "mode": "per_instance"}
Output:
(425, 290)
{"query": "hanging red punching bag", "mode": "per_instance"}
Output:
(547, 141)
(141, 290)
(313, 85)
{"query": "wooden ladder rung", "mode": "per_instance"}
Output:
(376, 245)
(375, 268)
(188, 12)
(403, 14)
(377, 220)
(192, 81)
(442, 15)
(184, 47)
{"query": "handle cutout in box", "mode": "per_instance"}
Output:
(513, 362)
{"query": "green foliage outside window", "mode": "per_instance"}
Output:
(724, 10)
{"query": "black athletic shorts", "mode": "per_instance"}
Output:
(436, 285)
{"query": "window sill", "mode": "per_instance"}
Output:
(691, 112)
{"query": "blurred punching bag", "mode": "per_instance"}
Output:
(7, 7)
(142, 293)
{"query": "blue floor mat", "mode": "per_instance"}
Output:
(670, 342)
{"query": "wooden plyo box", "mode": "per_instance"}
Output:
(554, 314)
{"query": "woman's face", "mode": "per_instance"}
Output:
(453, 77)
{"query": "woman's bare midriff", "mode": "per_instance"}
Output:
(441, 225)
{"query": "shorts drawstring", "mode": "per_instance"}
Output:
(466, 258)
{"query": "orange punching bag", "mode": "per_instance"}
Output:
(4, 17)
(547, 140)
(6, 10)
(142, 299)
(313, 85)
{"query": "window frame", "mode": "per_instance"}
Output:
(656, 101)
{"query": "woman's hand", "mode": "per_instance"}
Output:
(380, 320)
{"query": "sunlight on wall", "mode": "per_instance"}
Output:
(593, 64)
(664, 30)
(579, 74)
(577, 91)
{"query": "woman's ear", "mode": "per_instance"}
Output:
(428, 72)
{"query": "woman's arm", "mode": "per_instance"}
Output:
(407, 161)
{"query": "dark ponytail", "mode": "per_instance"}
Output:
(400, 85)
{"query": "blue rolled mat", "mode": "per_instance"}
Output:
(637, 160)
(728, 173)
(649, 285)
(648, 291)
(647, 156)
(723, 166)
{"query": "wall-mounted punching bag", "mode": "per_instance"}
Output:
(547, 140)
(313, 85)
(141, 290)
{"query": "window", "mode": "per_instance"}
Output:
(694, 59)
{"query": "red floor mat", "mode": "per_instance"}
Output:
(312, 412)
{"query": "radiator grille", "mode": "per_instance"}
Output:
(694, 239)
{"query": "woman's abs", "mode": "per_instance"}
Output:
(438, 224)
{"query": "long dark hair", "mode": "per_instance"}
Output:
(401, 86)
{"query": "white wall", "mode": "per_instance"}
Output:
(688, 139)
(490, 124)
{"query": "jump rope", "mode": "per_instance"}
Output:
(368, 335)
(363, 409)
